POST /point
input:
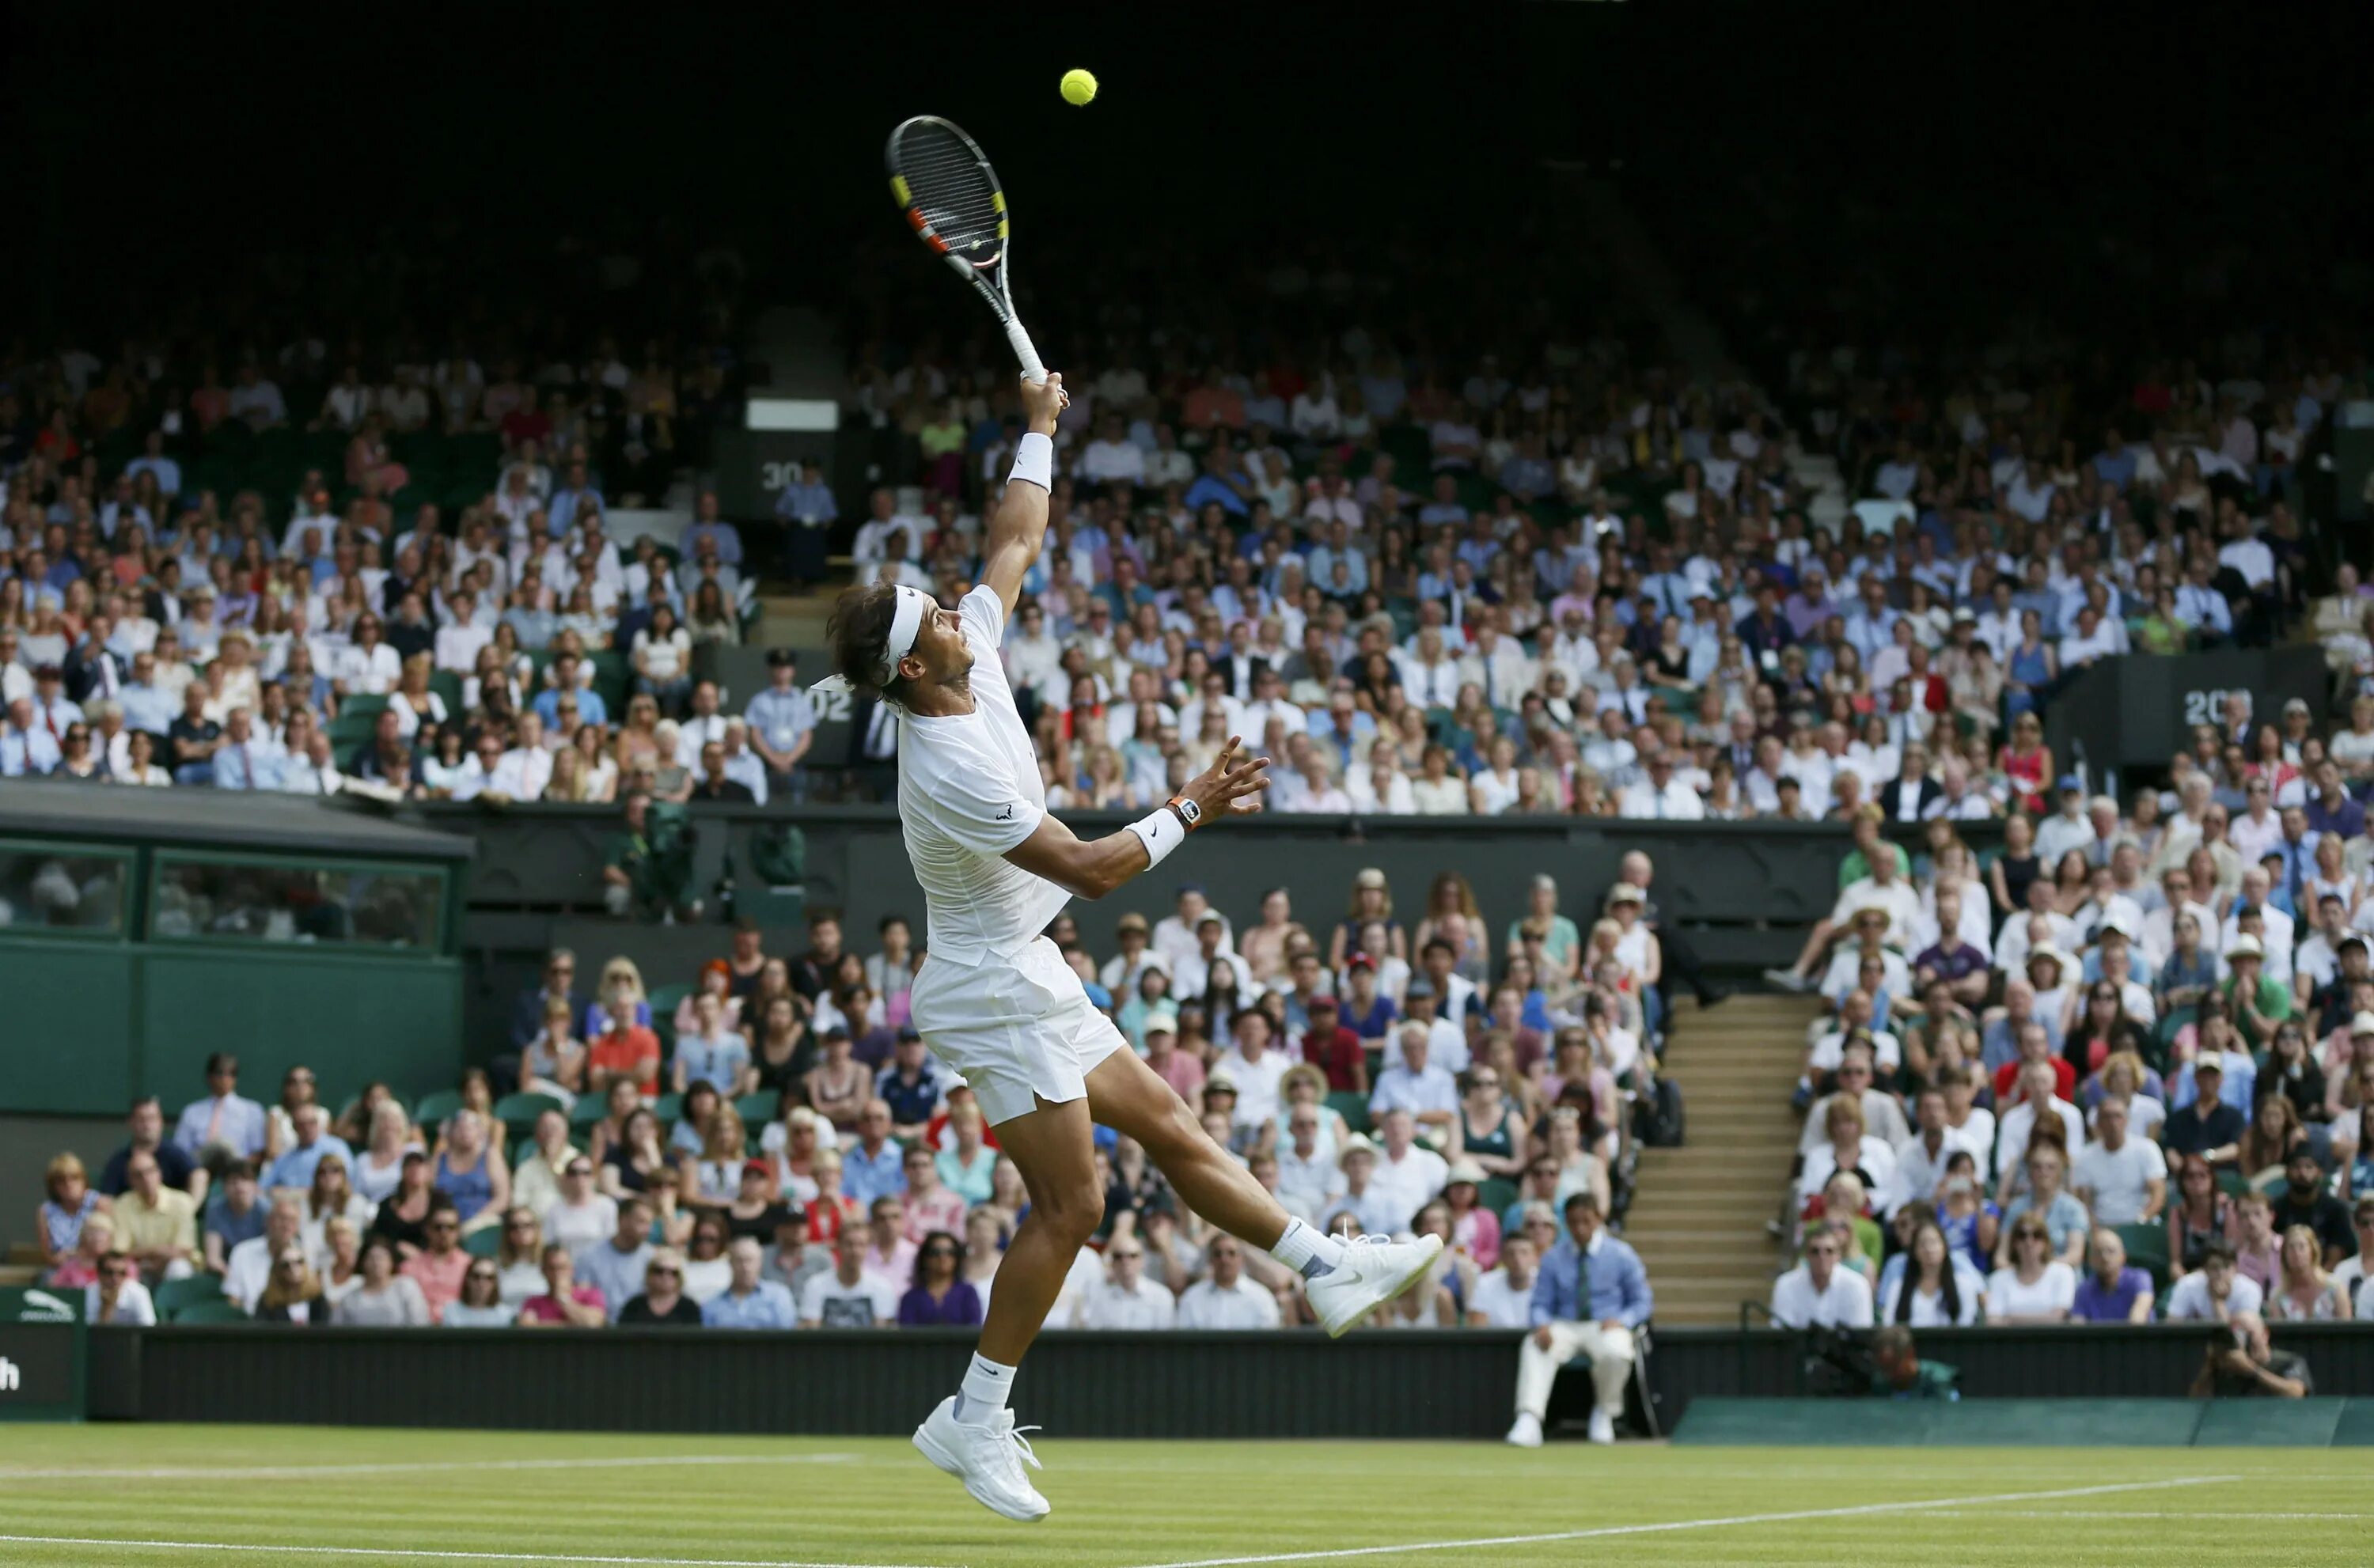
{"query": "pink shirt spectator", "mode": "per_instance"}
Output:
(1477, 1233)
(1184, 1072)
(544, 1309)
(440, 1280)
(943, 1210)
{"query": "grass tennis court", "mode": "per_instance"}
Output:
(218, 1496)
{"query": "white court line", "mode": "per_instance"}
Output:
(440, 1556)
(282, 1472)
(1607, 1530)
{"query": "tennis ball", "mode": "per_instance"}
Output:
(1079, 86)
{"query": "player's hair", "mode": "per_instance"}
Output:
(857, 632)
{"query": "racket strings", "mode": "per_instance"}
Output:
(953, 192)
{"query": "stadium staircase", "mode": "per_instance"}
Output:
(1700, 1217)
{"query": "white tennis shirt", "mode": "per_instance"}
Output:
(969, 791)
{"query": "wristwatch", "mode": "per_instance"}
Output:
(1189, 812)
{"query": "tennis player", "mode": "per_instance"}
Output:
(994, 1000)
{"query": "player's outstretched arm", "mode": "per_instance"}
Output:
(1092, 867)
(1019, 526)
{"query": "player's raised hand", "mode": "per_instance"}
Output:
(1230, 784)
(1041, 401)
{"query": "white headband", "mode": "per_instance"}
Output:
(905, 621)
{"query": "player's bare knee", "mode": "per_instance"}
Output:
(1073, 1211)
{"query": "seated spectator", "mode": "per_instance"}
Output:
(2034, 1286)
(2304, 1291)
(155, 1225)
(851, 1296)
(293, 1293)
(223, 1120)
(2065, 1220)
(1227, 1297)
(1590, 1298)
(1819, 1293)
(385, 1299)
(707, 1271)
(436, 1270)
(117, 1295)
(662, 1301)
(58, 1222)
(519, 1258)
(563, 1302)
(2111, 1292)
(939, 1294)
(1936, 1287)
(147, 1125)
(481, 1304)
(582, 1217)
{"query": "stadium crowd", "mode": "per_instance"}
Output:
(769, 1145)
(2120, 1070)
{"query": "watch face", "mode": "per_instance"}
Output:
(1191, 811)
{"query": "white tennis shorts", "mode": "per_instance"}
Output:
(1018, 1030)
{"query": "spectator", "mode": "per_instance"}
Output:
(793, 1260)
(436, 1270)
(2216, 1292)
(481, 1304)
(614, 1266)
(1503, 1297)
(2033, 1286)
(58, 1222)
(235, 1214)
(293, 1293)
(2303, 1202)
(2111, 1292)
(1819, 1293)
(748, 1301)
(2303, 1292)
(2250, 1367)
(155, 1225)
(1128, 1299)
(519, 1259)
(1936, 1287)
(1590, 1298)
(1227, 1297)
(293, 1170)
(223, 1120)
(563, 1302)
(581, 1218)
(385, 1299)
(1407, 1174)
(851, 1296)
(117, 1295)
(939, 1294)
(663, 1302)
(146, 1123)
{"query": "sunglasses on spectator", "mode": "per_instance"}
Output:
(523, 1223)
(443, 1225)
(482, 1273)
(581, 1170)
(939, 1252)
(661, 1269)
(1124, 1252)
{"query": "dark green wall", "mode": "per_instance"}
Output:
(86, 1026)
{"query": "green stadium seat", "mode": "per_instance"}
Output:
(432, 1110)
(666, 1108)
(2232, 1183)
(175, 1296)
(519, 1112)
(483, 1241)
(1352, 1105)
(2147, 1247)
(203, 1313)
(759, 1107)
(589, 1109)
(667, 999)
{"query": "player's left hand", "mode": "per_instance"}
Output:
(1229, 785)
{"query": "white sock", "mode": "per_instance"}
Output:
(982, 1393)
(1307, 1252)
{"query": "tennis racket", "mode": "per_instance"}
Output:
(951, 197)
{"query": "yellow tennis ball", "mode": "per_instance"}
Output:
(1079, 86)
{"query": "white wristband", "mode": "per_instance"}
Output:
(1034, 460)
(1161, 832)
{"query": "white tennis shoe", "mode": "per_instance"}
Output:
(1375, 1269)
(987, 1458)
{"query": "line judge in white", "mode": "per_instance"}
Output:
(994, 1000)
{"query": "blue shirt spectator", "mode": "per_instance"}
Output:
(591, 709)
(866, 1177)
(295, 1166)
(717, 1062)
(765, 1306)
(1604, 1284)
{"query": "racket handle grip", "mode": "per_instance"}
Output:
(1024, 350)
